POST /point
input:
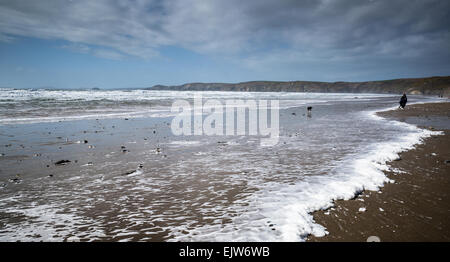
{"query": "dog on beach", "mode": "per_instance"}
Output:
(308, 109)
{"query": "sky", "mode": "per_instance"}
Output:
(141, 43)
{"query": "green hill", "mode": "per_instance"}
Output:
(439, 86)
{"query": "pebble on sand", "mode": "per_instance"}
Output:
(16, 180)
(62, 162)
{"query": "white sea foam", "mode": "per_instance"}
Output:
(106, 115)
(41, 105)
(279, 208)
(45, 223)
(184, 143)
(280, 212)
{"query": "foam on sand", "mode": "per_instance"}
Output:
(280, 212)
(46, 223)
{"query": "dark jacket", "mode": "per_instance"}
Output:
(403, 101)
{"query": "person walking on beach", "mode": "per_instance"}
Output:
(403, 101)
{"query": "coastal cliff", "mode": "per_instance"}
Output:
(439, 86)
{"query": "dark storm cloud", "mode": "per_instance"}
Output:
(254, 33)
(377, 26)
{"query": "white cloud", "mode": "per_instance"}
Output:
(77, 47)
(6, 38)
(259, 31)
(103, 53)
(99, 52)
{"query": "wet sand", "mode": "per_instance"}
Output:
(133, 180)
(416, 206)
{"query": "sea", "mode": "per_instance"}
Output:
(130, 178)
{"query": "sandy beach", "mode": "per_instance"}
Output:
(416, 206)
(125, 176)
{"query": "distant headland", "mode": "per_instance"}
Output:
(438, 85)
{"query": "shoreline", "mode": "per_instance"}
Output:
(416, 206)
(122, 168)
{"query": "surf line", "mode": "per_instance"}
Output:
(189, 120)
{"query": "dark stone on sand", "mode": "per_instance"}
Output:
(15, 180)
(51, 175)
(62, 162)
(357, 194)
(128, 173)
(294, 114)
(154, 131)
